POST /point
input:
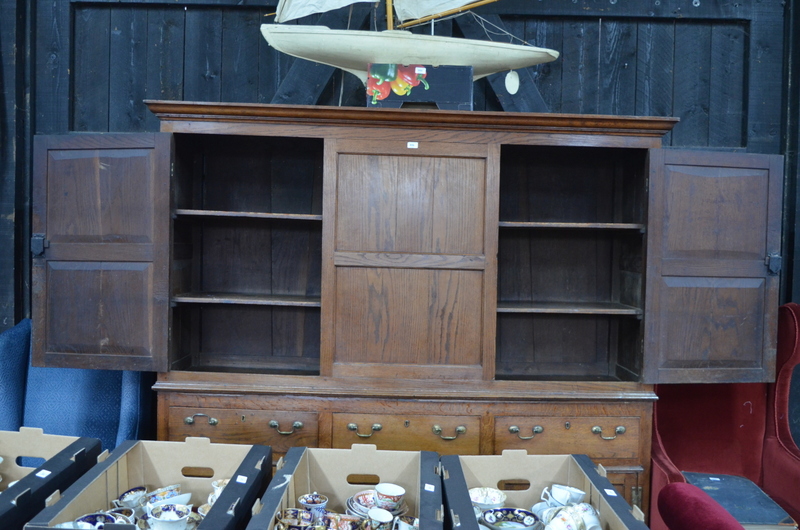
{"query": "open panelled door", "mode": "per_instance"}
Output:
(713, 264)
(100, 248)
(408, 290)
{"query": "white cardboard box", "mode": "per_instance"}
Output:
(339, 473)
(62, 460)
(194, 464)
(460, 473)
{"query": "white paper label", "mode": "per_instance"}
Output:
(420, 70)
(413, 145)
(714, 478)
(430, 487)
(43, 473)
(611, 493)
(241, 479)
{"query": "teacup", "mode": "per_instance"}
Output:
(183, 498)
(295, 519)
(587, 513)
(203, 509)
(549, 513)
(339, 521)
(218, 485)
(389, 496)
(166, 492)
(94, 520)
(123, 515)
(314, 503)
(169, 517)
(131, 498)
(561, 495)
(565, 521)
(539, 509)
(405, 522)
(380, 519)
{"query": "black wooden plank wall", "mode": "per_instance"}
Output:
(697, 69)
(10, 90)
(716, 64)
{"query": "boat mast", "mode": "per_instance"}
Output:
(389, 15)
(437, 15)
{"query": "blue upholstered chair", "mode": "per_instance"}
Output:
(111, 405)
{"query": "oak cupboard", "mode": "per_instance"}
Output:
(462, 282)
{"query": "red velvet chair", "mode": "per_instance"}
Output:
(686, 507)
(734, 429)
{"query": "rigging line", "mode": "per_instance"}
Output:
(500, 31)
(341, 72)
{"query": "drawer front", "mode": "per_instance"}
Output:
(444, 434)
(618, 436)
(279, 429)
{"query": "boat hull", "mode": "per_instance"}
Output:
(353, 50)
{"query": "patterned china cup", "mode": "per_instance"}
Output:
(131, 498)
(389, 496)
(314, 503)
(170, 517)
(94, 520)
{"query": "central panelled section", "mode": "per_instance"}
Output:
(409, 259)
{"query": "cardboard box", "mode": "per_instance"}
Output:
(341, 473)
(460, 473)
(194, 464)
(66, 458)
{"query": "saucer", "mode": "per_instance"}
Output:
(361, 502)
(194, 521)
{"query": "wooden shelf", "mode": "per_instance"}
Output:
(247, 299)
(579, 226)
(251, 215)
(569, 308)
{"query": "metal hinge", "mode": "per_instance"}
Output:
(636, 496)
(38, 244)
(774, 263)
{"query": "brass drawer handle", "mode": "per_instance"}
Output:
(189, 420)
(537, 429)
(375, 428)
(599, 431)
(295, 426)
(459, 430)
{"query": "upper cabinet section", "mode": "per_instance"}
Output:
(366, 243)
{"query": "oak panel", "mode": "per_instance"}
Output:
(728, 306)
(112, 189)
(410, 204)
(710, 211)
(100, 308)
(414, 316)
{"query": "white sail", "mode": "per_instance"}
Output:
(292, 9)
(413, 9)
(405, 9)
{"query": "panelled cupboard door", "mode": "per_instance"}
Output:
(101, 251)
(713, 262)
(408, 290)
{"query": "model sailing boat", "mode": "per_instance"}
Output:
(353, 50)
